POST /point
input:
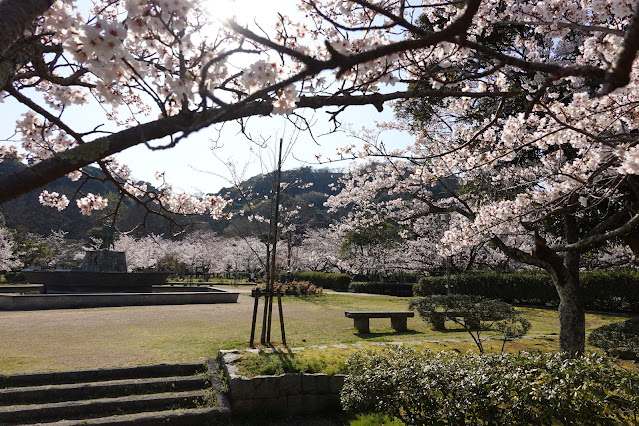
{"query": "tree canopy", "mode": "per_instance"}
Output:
(533, 106)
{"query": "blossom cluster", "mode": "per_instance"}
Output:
(53, 199)
(91, 202)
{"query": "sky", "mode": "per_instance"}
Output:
(193, 166)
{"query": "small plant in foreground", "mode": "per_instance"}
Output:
(475, 314)
(375, 419)
(525, 388)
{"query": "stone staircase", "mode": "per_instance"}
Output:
(176, 394)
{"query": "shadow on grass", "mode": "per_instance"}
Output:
(387, 333)
(286, 356)
(454, 331)
(321, 299)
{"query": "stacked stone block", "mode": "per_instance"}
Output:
(287, 394)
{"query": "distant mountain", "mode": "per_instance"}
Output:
(26, 210)
(304, 190)
(307, 187)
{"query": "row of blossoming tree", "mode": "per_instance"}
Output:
(532, 106)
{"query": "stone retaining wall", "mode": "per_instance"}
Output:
(287, 394)
(24, 302)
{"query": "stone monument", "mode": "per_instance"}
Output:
(103, 271)
(105, 260)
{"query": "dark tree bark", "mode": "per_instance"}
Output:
(572, 317)
(16, 16)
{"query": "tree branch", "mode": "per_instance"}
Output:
(16, 16)
(586, 243)
(620, 74)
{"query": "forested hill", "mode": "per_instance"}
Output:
(304, 191)
(26, 211)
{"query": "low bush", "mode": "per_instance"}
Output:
(620, 339)
(375, 419)
(601, 290)
(296, 288)
(390, 289)
(524, 388)
(475, 314)
(14, 277)
(319, 279)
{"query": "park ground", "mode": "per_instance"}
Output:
(106, 337)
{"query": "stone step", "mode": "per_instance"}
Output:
(182, 417)
(102, 374)
(104, 407)
(107, 389)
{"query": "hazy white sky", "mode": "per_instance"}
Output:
(192, 165)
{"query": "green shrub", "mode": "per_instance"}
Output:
(620, 339)
(601, 290)
(475, 314)
(14, 277)
(524, 388)
(375, 419)
(391, 289)
(319, 279)
(616, 290)
(296, 288)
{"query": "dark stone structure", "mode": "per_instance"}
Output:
(78, 281)
(104, 261)
(103, 271)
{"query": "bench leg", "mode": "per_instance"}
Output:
(439, 322)
(399, 323)
(361, 324)
(472, 324)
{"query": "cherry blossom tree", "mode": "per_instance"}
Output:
(544, 174)
(7, 259)
(143, 253)
(66, 253)
(555, 83)
(242, 254)
(158, 58)
(319, 250)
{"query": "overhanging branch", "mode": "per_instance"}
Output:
(33, 177)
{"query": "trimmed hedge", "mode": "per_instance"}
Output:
(319, 279)
(391, 289)
(14, 277)
(295, 288)
(601, 290)
(520, 389)
(620, 339)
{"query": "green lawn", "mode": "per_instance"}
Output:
(91, 338)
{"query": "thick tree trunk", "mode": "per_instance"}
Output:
(564, 270)
(572, 317)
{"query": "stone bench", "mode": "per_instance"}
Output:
(361, 319)
(439, 318)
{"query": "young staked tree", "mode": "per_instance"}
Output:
(266, 213)
(161, 72)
